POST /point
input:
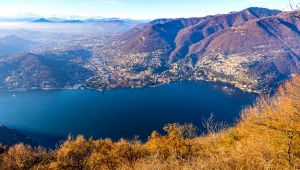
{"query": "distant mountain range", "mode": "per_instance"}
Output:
(38, 19)
(90, 20)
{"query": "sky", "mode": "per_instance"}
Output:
(135, 9)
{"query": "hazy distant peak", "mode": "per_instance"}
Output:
(12, 37)
(12, 43)
(41, 20)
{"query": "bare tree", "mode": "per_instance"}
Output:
(295, 6)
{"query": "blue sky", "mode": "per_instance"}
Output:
(137, 9)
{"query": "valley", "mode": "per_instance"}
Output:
(254, 49)
(130, 84)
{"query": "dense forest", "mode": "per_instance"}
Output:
(267, 136)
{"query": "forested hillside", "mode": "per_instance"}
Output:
(267, 136)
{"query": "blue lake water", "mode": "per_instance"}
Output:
(121, 112)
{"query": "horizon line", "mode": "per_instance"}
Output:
(31, 15)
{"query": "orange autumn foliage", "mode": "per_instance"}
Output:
(266, 137)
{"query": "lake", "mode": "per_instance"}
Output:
(121, 112)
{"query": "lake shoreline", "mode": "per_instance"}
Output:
(123, 112)
(225, 84)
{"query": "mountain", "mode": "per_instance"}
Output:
(9, 137)
(41, 20)
(253, 49)
(158, 34)
(178, 33)
(45, 70)
(12, 44)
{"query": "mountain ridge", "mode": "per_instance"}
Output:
(183, 23)
(255, 37)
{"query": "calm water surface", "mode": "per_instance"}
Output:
(119, 113)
